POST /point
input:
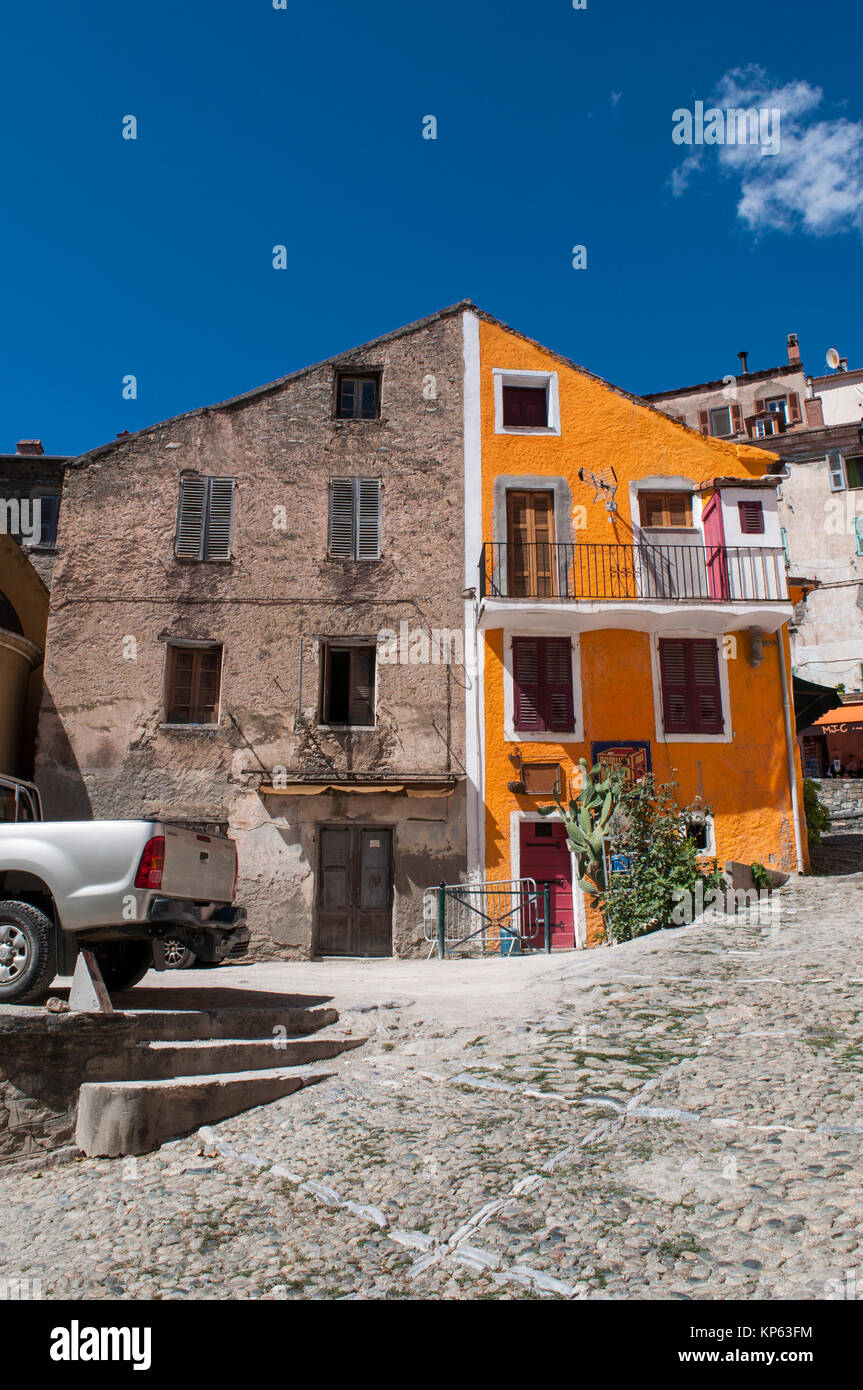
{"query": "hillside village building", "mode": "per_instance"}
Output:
(366, 617)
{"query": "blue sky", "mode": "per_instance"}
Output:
(303, 127)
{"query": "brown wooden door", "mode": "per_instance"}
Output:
(355, 891)
(530, 544)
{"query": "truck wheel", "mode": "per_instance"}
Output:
(123, 963)
(28, 953)
(177, 954)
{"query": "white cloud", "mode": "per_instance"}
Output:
(812, 183)
(615, 97)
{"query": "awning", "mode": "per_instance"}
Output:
(813, 704)
(444, 787)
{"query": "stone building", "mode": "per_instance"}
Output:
(814, 424)
(257, 623)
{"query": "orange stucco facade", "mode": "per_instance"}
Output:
(742, 777)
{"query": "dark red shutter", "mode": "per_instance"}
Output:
(557, 670)
(525, 664)
(704, 421)
(760, 407)
(736, 418)
(751, 518)
(691, 694)
(793, 408)
(525, 407)
(542, 680)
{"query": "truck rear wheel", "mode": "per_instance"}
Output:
(28, 953)
(122, 963)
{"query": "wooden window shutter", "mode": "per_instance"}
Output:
(191, 518)
(368, 518)
(527, 715)
(836, 467)
(340, 542)
(751, 518)
(760, 407)
(707, 695)
(793, 408)
(675, 686)
(557, 672)
(362, 686)
(704, 421)
(220, 519)
(736, 418)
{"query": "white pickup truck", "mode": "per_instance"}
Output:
(120, 887)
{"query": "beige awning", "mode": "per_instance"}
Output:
(414, 789)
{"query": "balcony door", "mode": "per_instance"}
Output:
(714, 545)
(530, 544)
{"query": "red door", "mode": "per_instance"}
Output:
(545, 857)
(714, 543)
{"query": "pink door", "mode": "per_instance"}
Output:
(545, 857)
(714, 543)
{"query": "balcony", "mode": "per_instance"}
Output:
(574, 586)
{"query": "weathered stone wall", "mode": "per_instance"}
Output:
(119, 596)
(842, 796)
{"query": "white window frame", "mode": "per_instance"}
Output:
(324, 643)
(502, 377)
(513, 735)
(727, 735)
(836, 471)
(713, 410)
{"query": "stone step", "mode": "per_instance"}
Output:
(188, 1025)
(163, 1060)
(134, 1117)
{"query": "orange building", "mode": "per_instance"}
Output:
(631, 605)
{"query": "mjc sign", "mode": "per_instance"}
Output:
(854, 728)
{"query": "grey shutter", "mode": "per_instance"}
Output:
(368, 519)
(362, 690)
(340, 541)
(837, 471)
(191, 516)
(220, 519)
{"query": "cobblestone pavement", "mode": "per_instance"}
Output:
(680, 1117)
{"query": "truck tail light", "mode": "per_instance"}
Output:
(152, 863)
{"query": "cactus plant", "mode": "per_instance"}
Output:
(587, 822)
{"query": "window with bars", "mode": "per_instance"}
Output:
(205, 518)
(194, 684)
(751, 518)
(355, 519)
(691, 691)
(542, 685)
(348, 685)
(358, 396)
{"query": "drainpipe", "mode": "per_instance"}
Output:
(789, 745)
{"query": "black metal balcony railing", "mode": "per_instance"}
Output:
(566, 570)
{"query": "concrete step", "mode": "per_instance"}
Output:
(134, 1117)
(187, 1025)
(163, 1060)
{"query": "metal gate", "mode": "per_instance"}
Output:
(508, 916)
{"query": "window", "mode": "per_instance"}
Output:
(525, 407)
(665, 509)
(763, 429)
(194, 681)
(778, 405)
(854, 472)
(205, 518)
(858, 534)
(751, 518)
(526, 402)
(358, 396)
(691, 694)
(530, 544)
(784, 534)
(542, 685)
(836, 469)
(355, 519)
(348, 685)
(720, 421)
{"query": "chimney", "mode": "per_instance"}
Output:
(744, 363)
(814, 412)
(29, 446)
(793, 350)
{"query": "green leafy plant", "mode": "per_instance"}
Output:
(652, 830)
(817, 815)
(761, 878)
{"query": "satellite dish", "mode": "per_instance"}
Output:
(833, 358)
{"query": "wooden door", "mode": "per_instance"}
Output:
(545, 857)
(714, 545)
(355, 891)
(530, 544)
